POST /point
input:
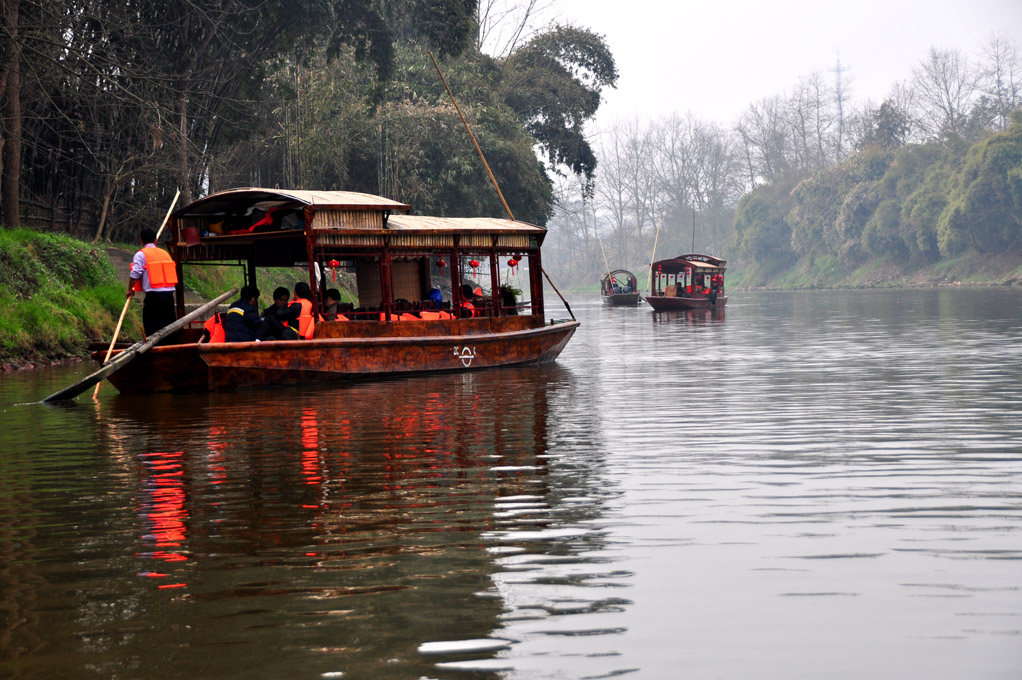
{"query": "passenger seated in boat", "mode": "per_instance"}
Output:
(508, 301)
(332, 307)
(272, 325)
(468, 297)
(301, 312)
(242, 320)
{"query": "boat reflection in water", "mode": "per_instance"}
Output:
(360, 530)
(694, 317)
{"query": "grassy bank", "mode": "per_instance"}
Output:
(828, 272)
(57, 295)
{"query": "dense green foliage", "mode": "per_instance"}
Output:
(56, 295)
(912, 205)
(133, 98)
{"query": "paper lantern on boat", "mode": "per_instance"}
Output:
(512, 263)
(440, 264)
(333, 264)
(475, 265)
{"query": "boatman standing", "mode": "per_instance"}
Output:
(153, 271)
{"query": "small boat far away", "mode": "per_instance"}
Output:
(619, 288)
(692, 281)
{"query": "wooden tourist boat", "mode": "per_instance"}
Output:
(395, 260)
(690, 281)
(619, 288)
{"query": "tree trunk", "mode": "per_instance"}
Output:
(10, 179)
(182, 150)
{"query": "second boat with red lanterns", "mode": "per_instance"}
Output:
(692, 281)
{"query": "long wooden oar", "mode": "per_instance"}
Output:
(117, 331)
(551, 282)
(127, 355)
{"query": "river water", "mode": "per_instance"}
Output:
(809, 485)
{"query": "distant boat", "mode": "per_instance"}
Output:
(690, 281)
(619, 288)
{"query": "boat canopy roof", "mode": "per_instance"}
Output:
(694, 260)
(272, 227)
(619, 274)
(239, 200)
(465, 225)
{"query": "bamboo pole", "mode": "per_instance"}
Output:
(605, 263)
(129, 354)
(566, 305)
(469, 130)
(120, 321)
(488, 171)
(652, 257)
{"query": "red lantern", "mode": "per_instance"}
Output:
(334, 264)
(512, 263)
(475, 265)
(440, 264)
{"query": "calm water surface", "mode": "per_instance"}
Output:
(812, 485)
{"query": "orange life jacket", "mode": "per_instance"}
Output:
(429, 316)
(161, 269)
(215, 327)
(306, 320)
(470, 308)
(409, 317)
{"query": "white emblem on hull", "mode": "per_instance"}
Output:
(466, 354)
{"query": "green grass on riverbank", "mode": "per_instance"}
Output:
(57, 294)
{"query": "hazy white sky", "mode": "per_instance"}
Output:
(714, 57)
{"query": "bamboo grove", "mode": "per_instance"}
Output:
(110, 106)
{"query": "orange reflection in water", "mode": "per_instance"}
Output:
(311, 470)
(163, 511)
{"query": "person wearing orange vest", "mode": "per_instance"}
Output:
(284, 321)
(153, 271)
(468, 310)
(305, 323)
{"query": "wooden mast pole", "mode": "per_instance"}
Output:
(652, 257)
(693, 230)
(469, 130)
(488, 171)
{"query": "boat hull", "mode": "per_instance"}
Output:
(621, 300)
(344, 356)
(673, 304)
